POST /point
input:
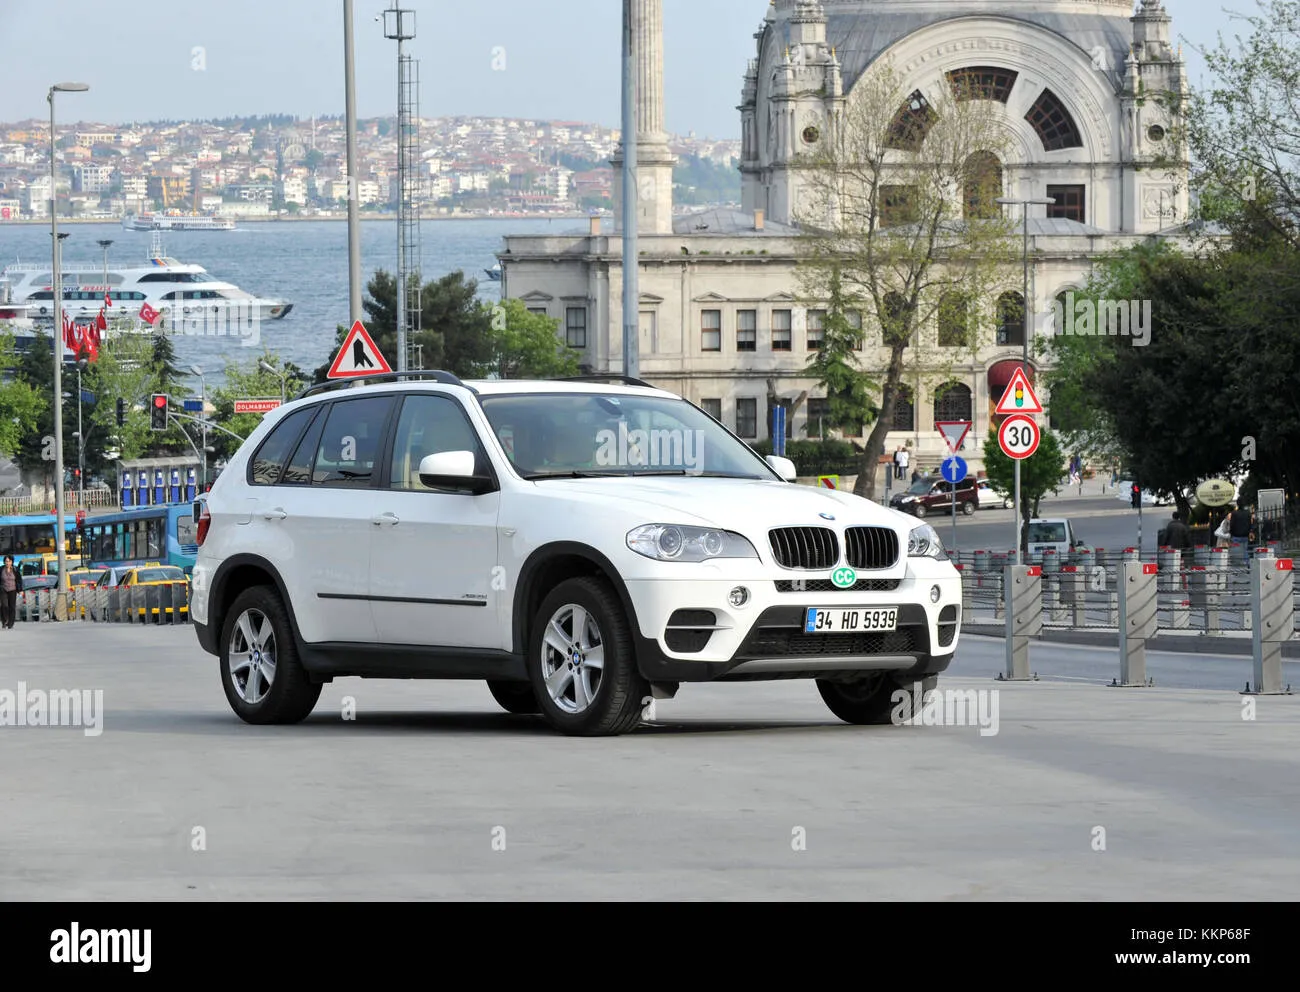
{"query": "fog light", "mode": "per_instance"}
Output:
(739, 596)
(935, 594)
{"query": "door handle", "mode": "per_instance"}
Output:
(391, 519)
(276, 514)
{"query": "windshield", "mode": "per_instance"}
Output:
(1047, 533)
(920, 487)
(555, 435)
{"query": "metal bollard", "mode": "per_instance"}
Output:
(1272, 604)
(1085, 558)
(137, 604)
(1170, 561)
(1024, 618)
(982, 562)
(1074, 592)
(1137, 606)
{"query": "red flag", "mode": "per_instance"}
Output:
(108, 300)
(69, 335)
(92, 343)
(148, 314)
(100, 323)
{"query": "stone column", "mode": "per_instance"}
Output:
(654, 159)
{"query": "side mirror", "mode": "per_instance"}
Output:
(783, 467)
(454, 470)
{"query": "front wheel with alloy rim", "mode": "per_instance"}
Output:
(515, 697)
(875, 698)
(582, 662)
(263, 678)
(920, 511)
(968, 508)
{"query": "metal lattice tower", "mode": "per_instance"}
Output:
(399, 26)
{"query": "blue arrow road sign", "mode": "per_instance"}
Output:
(954, 469)
(193, 406)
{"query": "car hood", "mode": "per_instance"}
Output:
(746, 505)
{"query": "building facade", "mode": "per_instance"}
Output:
(1078, 89)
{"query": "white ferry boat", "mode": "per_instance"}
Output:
(187, 297)
(177, 222)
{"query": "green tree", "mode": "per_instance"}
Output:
(20, 404)
(837, 365)
(526, 345)
(124, 370)
(885, 207)
(248, 381)
(1040, 474)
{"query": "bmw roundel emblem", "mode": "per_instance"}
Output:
(826, 516)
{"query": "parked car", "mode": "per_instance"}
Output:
(990, 497)
(933, 494)
(582, 546)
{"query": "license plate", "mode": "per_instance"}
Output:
(834, 620)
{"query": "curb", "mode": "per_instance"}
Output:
(1110, 639)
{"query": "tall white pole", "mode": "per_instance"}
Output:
(631, 255)
(56, 337)
(354, 205)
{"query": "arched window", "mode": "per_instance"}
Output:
(1055, 127)
(1061, 312)
(954, 320)
(982, 83)
(952, 401)
(895, 324)
(911, 124)
(1011, 319)
(904, 410)
(982, 185)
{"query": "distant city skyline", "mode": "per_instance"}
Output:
(514, 59)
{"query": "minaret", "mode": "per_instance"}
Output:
(655, 160)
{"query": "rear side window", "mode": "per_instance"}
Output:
(298, 472)
(349, 444)
(270, 458)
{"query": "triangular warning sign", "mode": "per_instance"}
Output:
(358, 357)
(953, 431)
(1019, 397)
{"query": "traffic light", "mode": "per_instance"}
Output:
(121, 412)
(158, 412)
(1137, 497)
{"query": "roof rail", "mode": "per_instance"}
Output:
(624, 379)
(437, 375)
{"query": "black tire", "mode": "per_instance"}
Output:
(515, 697)
(967, 508)
(871, 701)
(920, 511)
(291, 695)
(616, 700)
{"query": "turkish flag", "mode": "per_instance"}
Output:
(148, 314)
(100, 323)
(108, 300)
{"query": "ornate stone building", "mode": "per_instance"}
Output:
(1074, 84)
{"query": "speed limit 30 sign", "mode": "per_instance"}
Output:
(1018, 437)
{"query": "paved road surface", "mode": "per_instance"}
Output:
(402, 803)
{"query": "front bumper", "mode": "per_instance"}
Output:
(690, 632)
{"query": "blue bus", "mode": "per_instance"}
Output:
(166, 535)
(29, 537)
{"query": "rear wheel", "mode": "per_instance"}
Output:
(968, 508)
(876, 698)
(582, 663)
(515, 697)
(263, 678)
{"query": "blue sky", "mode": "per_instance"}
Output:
(561, 59)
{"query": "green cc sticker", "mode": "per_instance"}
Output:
(843, 578)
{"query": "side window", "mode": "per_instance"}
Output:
(268, 462)
(298, 471)
(429, 425)
(349, 445)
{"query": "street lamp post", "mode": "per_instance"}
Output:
(283, 376)
(203, 421)
(56, 337)
(1024, 344)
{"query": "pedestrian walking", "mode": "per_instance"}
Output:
(904, 459)
(1223, 533)
(11, 584)
(1177, 534)
(1241, 525)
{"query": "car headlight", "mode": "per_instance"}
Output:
(670, 542)
(923, 542)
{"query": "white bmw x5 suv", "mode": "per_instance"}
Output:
(583, 546)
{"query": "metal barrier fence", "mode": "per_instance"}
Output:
(164, 603)
(73, 500)
(1134, 600)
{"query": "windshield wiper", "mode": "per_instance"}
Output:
(541, 476)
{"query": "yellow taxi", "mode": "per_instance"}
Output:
(155, 574)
